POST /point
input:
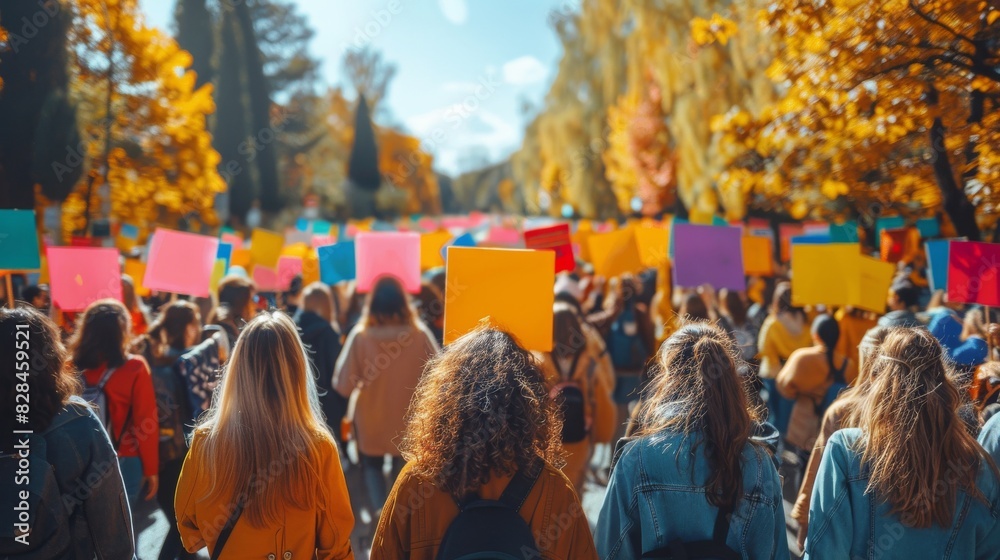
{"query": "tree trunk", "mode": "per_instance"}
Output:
(956, 204)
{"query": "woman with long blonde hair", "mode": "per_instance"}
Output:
(909, 478)
(262, 461)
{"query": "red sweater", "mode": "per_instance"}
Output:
(132, 385)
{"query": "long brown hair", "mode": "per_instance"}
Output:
(388, 304)
(50, 380)
(568, 337)
(264, 429)
(915, 445)
(101, 338)
(171, 326)
(235, 297)
(481, 409)
(700, 392)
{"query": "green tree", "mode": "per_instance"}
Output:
(37, 120)
(194, 30)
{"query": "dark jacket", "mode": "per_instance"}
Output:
(323, 344)
(78, 503)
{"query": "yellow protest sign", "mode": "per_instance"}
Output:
(296, 250)
(136, 269)
(653, 242)
(265, 247)
(875, 279)
(758, 256)
(511, 287)
(825, 274)
(615, 253)
(218, 272)
(430, 249)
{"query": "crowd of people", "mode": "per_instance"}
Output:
(239, 415)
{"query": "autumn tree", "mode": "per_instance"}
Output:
(893, 106)
(639, 160)
(146, 138)
(37, 116)
(284, 37)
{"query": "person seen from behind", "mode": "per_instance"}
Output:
(910, 469)
(262, 460)
(695, 473)
(481, 427)
(125, 385)
(74, 492)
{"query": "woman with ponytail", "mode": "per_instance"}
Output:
(909, 481)
(694, 477)
(807, 377)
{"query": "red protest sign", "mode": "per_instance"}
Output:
(554, 238)
(974, 273)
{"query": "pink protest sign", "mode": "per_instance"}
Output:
(395, 254)
(181, 263)
(233, 239)
(79, 276)
(502, 235)
(265, 278)
(323, 240)
(288, 269)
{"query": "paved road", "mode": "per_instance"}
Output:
(151, 524)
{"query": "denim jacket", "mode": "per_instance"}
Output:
(657, 495)
(847, 522)
(90, 516)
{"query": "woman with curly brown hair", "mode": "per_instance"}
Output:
(481, 417)
(73, 491)
(909, 481)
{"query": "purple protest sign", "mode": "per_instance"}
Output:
(708, 255)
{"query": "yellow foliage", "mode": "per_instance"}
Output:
(864, 83)
(147, 133)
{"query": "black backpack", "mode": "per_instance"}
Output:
(492, 529)
(572, 402)
(714, 549)
(173, 407)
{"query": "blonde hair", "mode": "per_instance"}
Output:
(264, 429)
(915, 445)
(317, 298)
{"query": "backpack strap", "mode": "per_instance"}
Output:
(572, 367)
(227, 529)
(128, 417)
(105, 378)
(519, 487)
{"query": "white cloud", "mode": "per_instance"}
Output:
(450, 132)
(455, 11)
(524, 71)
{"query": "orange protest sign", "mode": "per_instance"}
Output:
(615, 253)
(511, 287)
(653, 242)
(758, 256)
(430, 249)
(136, 270)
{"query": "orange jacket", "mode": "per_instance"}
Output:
(323, 532)
(417, 514)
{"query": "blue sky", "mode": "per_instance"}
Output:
(464, 66)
